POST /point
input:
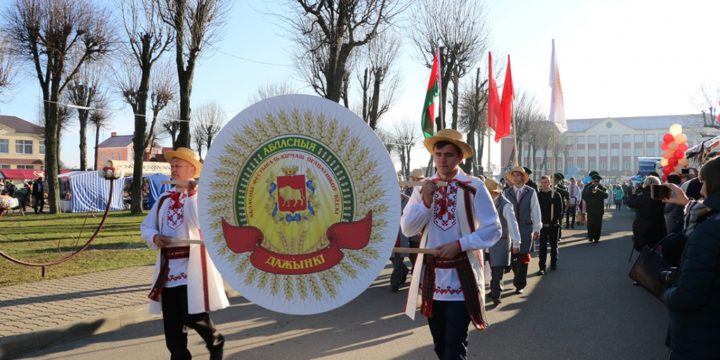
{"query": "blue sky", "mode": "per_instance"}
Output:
(616, 58)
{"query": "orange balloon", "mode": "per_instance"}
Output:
(672, 146)
(680, 139)
(682, 162)
(667, 154)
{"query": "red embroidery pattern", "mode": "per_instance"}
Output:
(175, 216)
(182, 276)
(447, 290)
(444, 206)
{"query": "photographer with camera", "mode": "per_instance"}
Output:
(649, 225)
(694, 298)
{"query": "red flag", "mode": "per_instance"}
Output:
(508, 94)
(428, 113)
(494, 111)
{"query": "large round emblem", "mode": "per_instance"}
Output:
(299, 204)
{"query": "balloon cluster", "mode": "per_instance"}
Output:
(673, 151)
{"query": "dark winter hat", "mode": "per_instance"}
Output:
(596, 176)
(527, 170)
(593, 173)
(559, 176)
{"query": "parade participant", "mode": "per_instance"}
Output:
(530, 182)
(594, 195)
(186, 284)
(38, 193)
(527, 213)
(618, 196)
(457, 220)
(551, 212)
(500, 252)
(649, 225)
(400, 270)
(558, 182)
(574, 196)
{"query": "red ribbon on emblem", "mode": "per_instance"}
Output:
(343, 235)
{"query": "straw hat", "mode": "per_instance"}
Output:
(417, 174)
(188, 155)
(452, 136)
(493, 186)
(519, 169)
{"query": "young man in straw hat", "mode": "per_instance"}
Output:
(186, 285)
(527, 213)
(500, 252)
(457, 220)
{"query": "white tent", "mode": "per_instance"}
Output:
(86, 191)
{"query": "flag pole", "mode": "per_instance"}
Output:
(441, 105)
(515, 143)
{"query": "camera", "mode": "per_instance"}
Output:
(659, 192)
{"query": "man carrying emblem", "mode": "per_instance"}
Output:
(457, 217)
(186, 284)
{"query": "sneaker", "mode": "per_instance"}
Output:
(541, 272)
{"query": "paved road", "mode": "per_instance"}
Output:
(588, 309)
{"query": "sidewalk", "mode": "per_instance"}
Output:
(44, 313)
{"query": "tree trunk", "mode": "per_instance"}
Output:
(97, 142)
(51, 148)
(83, 120)
(183, 138)
(456, 98)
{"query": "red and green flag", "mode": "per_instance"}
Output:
(428, 113)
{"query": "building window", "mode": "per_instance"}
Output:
(592, 164)
(639, 151)
(4, 146)
(603, 164)
(639, 139)
(603, 139)
(4, 166)
(650, 138)
(592, 152)
(603, 152)
(614, 164)
(627, 139)
(592, 139)
(615, 139)
(627, 165)
(581, 140)
(42, 147)
(569, 140)
(25, 167)
(23, 146)
(615, 152)
(582, 152)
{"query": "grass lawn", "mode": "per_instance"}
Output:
(43, 237)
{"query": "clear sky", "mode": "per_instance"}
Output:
(616, 58)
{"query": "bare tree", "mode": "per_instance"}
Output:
(170, 124)
(462, 33)
(58, 37)
(196, 23)
(404, 136)
(707, 103)
(526, 111)
(329, 31)
(8, 69)
(539, 137)
(82, 92)
(148, 37)
(473, 121)
(209, 119)
(269, 90)
(379, 82)
(100, 118)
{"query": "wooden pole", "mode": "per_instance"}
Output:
(415, 250)
(515, 143)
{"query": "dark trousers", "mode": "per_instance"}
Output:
(548, 235)
(570, 214)
(449, 328)
(39, 203)
(176, 319)
(594, 226)
(519, 271)
(496, 281)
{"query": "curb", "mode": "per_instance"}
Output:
(15, 346)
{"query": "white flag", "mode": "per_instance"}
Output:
(557, 107)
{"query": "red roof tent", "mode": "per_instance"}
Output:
(21, 174)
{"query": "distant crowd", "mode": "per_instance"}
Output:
(30, 193)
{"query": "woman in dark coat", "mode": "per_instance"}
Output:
(694, 299)
(649, 224)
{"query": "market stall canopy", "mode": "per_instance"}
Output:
(703, 148)
(21, 174)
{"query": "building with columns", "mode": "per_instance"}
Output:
(612, 146)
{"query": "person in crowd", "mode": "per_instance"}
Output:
(509, 241)
(551, 212)
(10, 188)
(581, 206)
(23, 196)
(530, 182)
(673, 213)
(594, 195)
(38, 193)
(692, 186)
(561, 188)
(186, 284)
(649, 225)
(618, 196)
(400, 270)
(627, 190)
(574, 195)
(458, 220)
(527, 212)
(694, 297)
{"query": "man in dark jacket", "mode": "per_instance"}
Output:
(530, 183)
(38, 192)
(551, 212)
(594, 195)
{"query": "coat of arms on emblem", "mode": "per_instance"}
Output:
(291, 195)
